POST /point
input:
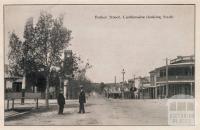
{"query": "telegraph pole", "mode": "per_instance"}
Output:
(115, 80)
(167, 84)
(123, 72)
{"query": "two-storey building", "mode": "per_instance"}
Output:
(174, 78)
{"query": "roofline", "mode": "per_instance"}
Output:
(172, 65)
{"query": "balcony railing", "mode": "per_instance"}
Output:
(175, 78)
(182, 58)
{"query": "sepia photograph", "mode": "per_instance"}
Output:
(99, 64)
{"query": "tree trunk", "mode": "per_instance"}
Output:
(47, 93)
(24, 83)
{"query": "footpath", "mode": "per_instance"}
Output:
(28, 107)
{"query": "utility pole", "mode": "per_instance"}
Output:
(123, 72)
(167, 84)
(115, 80)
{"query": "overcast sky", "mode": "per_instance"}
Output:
(137, 45)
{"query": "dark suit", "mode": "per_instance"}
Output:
(61, 103)
(82, 101)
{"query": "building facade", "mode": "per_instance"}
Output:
(175, 78)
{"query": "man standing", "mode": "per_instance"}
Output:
(132, 92)
(82, 100)
(61, 102)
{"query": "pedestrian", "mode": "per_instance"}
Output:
(132, 92)
(81, 100)
(61, 102)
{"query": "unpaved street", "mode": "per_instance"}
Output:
(101, 111)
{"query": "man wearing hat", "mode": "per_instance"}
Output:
(61, 102)
(81, 100)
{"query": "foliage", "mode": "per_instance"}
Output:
(42, 47)
(51, 38)
(15, 55)
(41, 50)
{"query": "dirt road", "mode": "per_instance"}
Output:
(101, 111)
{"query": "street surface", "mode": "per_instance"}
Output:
(100, 111)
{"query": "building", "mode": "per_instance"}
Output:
(11, 83)
(14, 83)
(143, 87)
(175, 78)
(145, 90)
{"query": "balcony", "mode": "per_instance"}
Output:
(181, 59)
(175, 78)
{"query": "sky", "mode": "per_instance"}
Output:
(137, 45)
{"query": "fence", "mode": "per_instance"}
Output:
(18, 95)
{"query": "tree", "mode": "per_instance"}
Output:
(51, 37)
(55, 80)
(41, 49)
(15, 55)
(30, 62)
(28, 49)
(81, 70)
(21, 60)
(21, 55)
